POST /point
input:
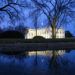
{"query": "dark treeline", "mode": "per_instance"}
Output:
(17, 32)
(12, 35)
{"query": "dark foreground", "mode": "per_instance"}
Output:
(11, 65)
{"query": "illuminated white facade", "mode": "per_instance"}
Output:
(46, 33)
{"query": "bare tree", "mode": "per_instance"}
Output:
(21, 28)
(12, 9)
(35, 17)
(10, 27)
(57, 12)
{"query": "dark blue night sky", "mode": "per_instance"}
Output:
(27, 21)
(21, 65)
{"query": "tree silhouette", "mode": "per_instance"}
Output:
(21, 28)
(57, 13)
(12, 9)
(68, 34)
(10, 34)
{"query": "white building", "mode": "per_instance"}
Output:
(46, 33)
